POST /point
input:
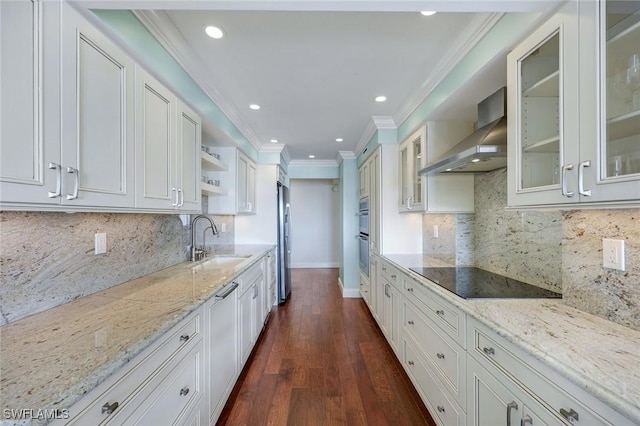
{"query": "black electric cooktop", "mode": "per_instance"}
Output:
(474, 283)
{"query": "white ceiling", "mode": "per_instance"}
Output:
(315, 71)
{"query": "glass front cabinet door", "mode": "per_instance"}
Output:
(574, 109)
(411, 160)
(609, 167)
(543, 113)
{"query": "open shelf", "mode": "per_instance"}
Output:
(551, 144)
(547, 87)
(211, 163)
(212, 189)
(623, 126)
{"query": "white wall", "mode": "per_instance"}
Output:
(316, 223)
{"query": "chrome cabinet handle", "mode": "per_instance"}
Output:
(410, 322)
(109, 408)
(581, 190)
(510, 406)
(174, 190)
(440, 409)
(58, 169)
(384, 268)
(489, 351)
(184, 338)
(566, 193)
(74, 195)
(249, 206)
(440, 312)
(409, 199)
(410, 362)
(393, 276)
(184, 391)
(180, 198)
(230, 289)
(410, 289)
(440, 355)
(570, 415)
(526, 420)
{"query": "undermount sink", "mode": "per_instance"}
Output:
(221, 261)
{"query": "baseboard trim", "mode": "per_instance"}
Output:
(315, 265)
(351, 293)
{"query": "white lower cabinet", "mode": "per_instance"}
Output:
(163, 371)
(222, 345)
(442, 408)
(465, 372)
(186, 377)
(494, 402)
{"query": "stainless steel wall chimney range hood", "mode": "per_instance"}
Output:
(485, 149)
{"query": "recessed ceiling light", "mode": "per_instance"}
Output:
(448, 170)
(312, 156)
(428, 12)
(254, 107)
(475, 160)
(339, 139)
(274, 141)
(381, 98)
(214, 32)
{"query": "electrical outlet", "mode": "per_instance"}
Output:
(223, 227)
(435, 231)
(100, 243)
(613, 254)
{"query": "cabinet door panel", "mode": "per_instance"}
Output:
(97, 103)
(26, 149)
(189, 154)
(155, 144)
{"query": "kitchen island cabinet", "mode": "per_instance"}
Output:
(472, 359)
(150, 334)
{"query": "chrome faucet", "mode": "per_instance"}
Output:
(196, 253)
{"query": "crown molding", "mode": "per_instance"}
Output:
(377, 122)
(286, 156)
(345, 155)
(472, 34)
(313, 163)
(272, 147)
(162, 28)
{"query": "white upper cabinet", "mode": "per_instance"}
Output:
(543, 113)
(29, 84)
(246, 200)
(574, 132)
(610, 101)
(167, 148)
(189, 142)
(451, 193)
(238, 181)
(411, 160)
(98, 117)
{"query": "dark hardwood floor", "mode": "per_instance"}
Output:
(322, 360)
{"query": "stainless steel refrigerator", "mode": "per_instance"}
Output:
(284, 244)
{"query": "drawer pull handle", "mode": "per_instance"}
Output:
(440, 409)
(526, 420)
(510, 406)
(184, 337)
(410, 362)
(109, 408)
(184, 391)
(384, 269)
(410, 289)
(489, 351)
(440, 312)
(441, 356)
(410, 322)
(393, 276)
(570, 415)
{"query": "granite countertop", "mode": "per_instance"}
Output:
(600, 356)
(51, 359)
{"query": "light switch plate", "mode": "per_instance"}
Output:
(613, 254)
(101, 243)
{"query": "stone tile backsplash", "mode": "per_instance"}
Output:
(47, 259)
(561, 251)
(588, 286)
